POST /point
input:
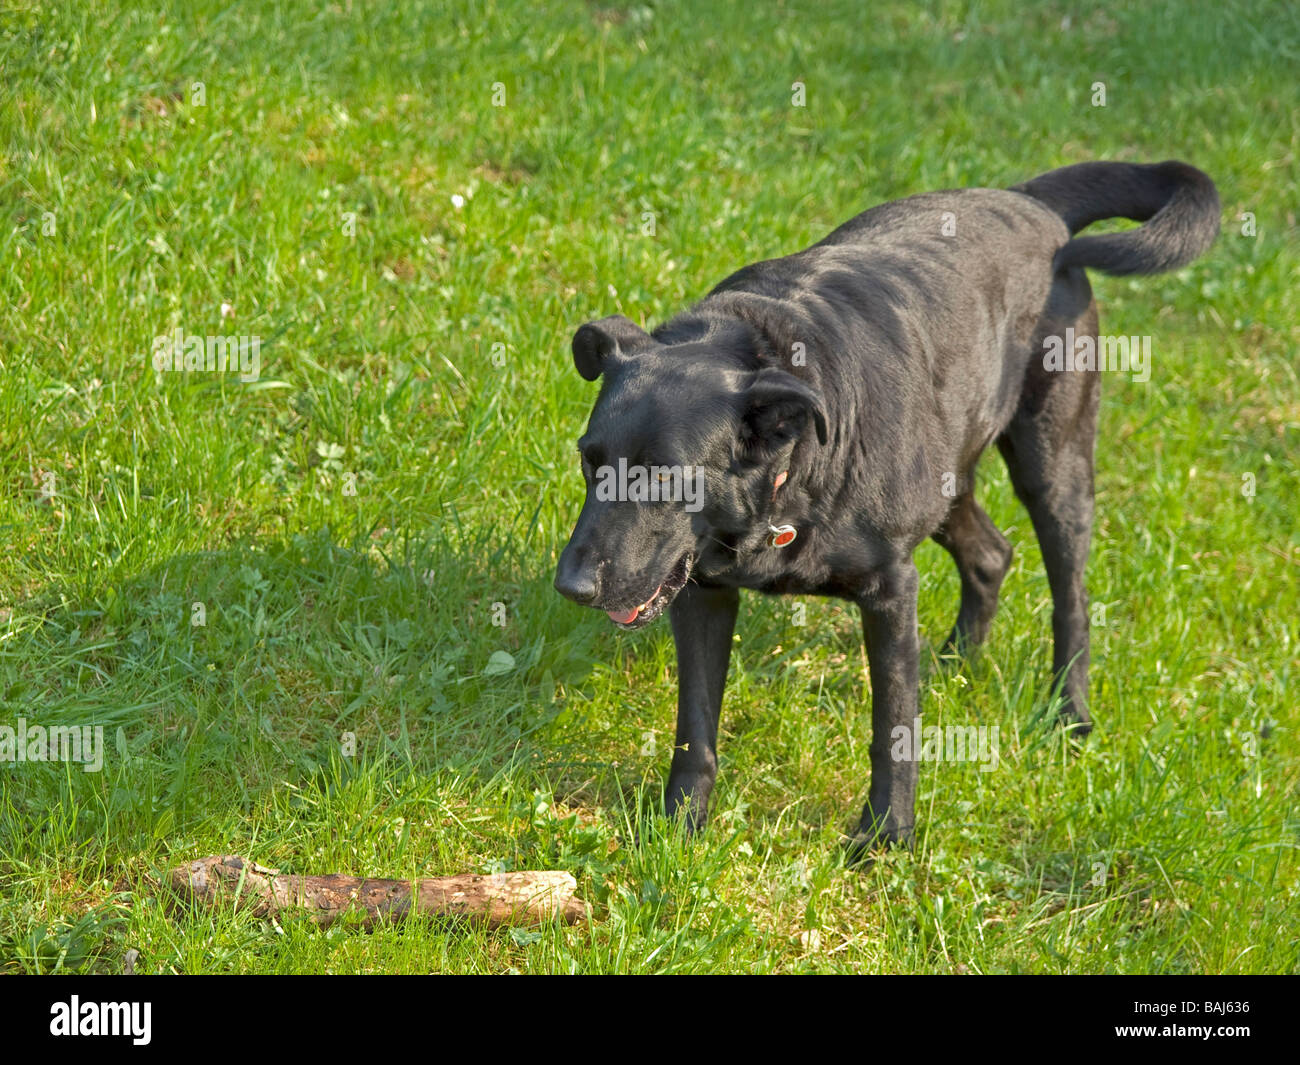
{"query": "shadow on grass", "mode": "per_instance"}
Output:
(216, 675)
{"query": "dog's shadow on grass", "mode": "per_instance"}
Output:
(419, 653)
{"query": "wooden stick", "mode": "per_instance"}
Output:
(495, 899)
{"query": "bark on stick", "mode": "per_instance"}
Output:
(526, 898)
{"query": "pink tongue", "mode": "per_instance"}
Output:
(626, 617)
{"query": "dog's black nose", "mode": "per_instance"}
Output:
(575, 581)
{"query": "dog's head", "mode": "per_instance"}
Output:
(683, 451)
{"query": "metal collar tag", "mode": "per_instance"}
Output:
(782, 535)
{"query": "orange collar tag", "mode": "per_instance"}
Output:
(782, 535)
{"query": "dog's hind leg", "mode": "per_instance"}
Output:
(983, 557)
(1048, 448)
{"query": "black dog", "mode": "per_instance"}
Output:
(829, 409)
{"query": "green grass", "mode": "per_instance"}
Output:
(406, 461)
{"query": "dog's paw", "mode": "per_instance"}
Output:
(687, 800)
(1076, 721)
(871, 841)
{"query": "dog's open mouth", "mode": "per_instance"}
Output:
(641, 615)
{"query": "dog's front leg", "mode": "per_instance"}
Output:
(703, 620)
(889, 625)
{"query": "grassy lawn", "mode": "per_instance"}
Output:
(313, 612)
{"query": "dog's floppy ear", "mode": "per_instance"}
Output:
(596, 342)
(778, 407)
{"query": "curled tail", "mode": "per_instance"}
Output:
(1178, 203)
